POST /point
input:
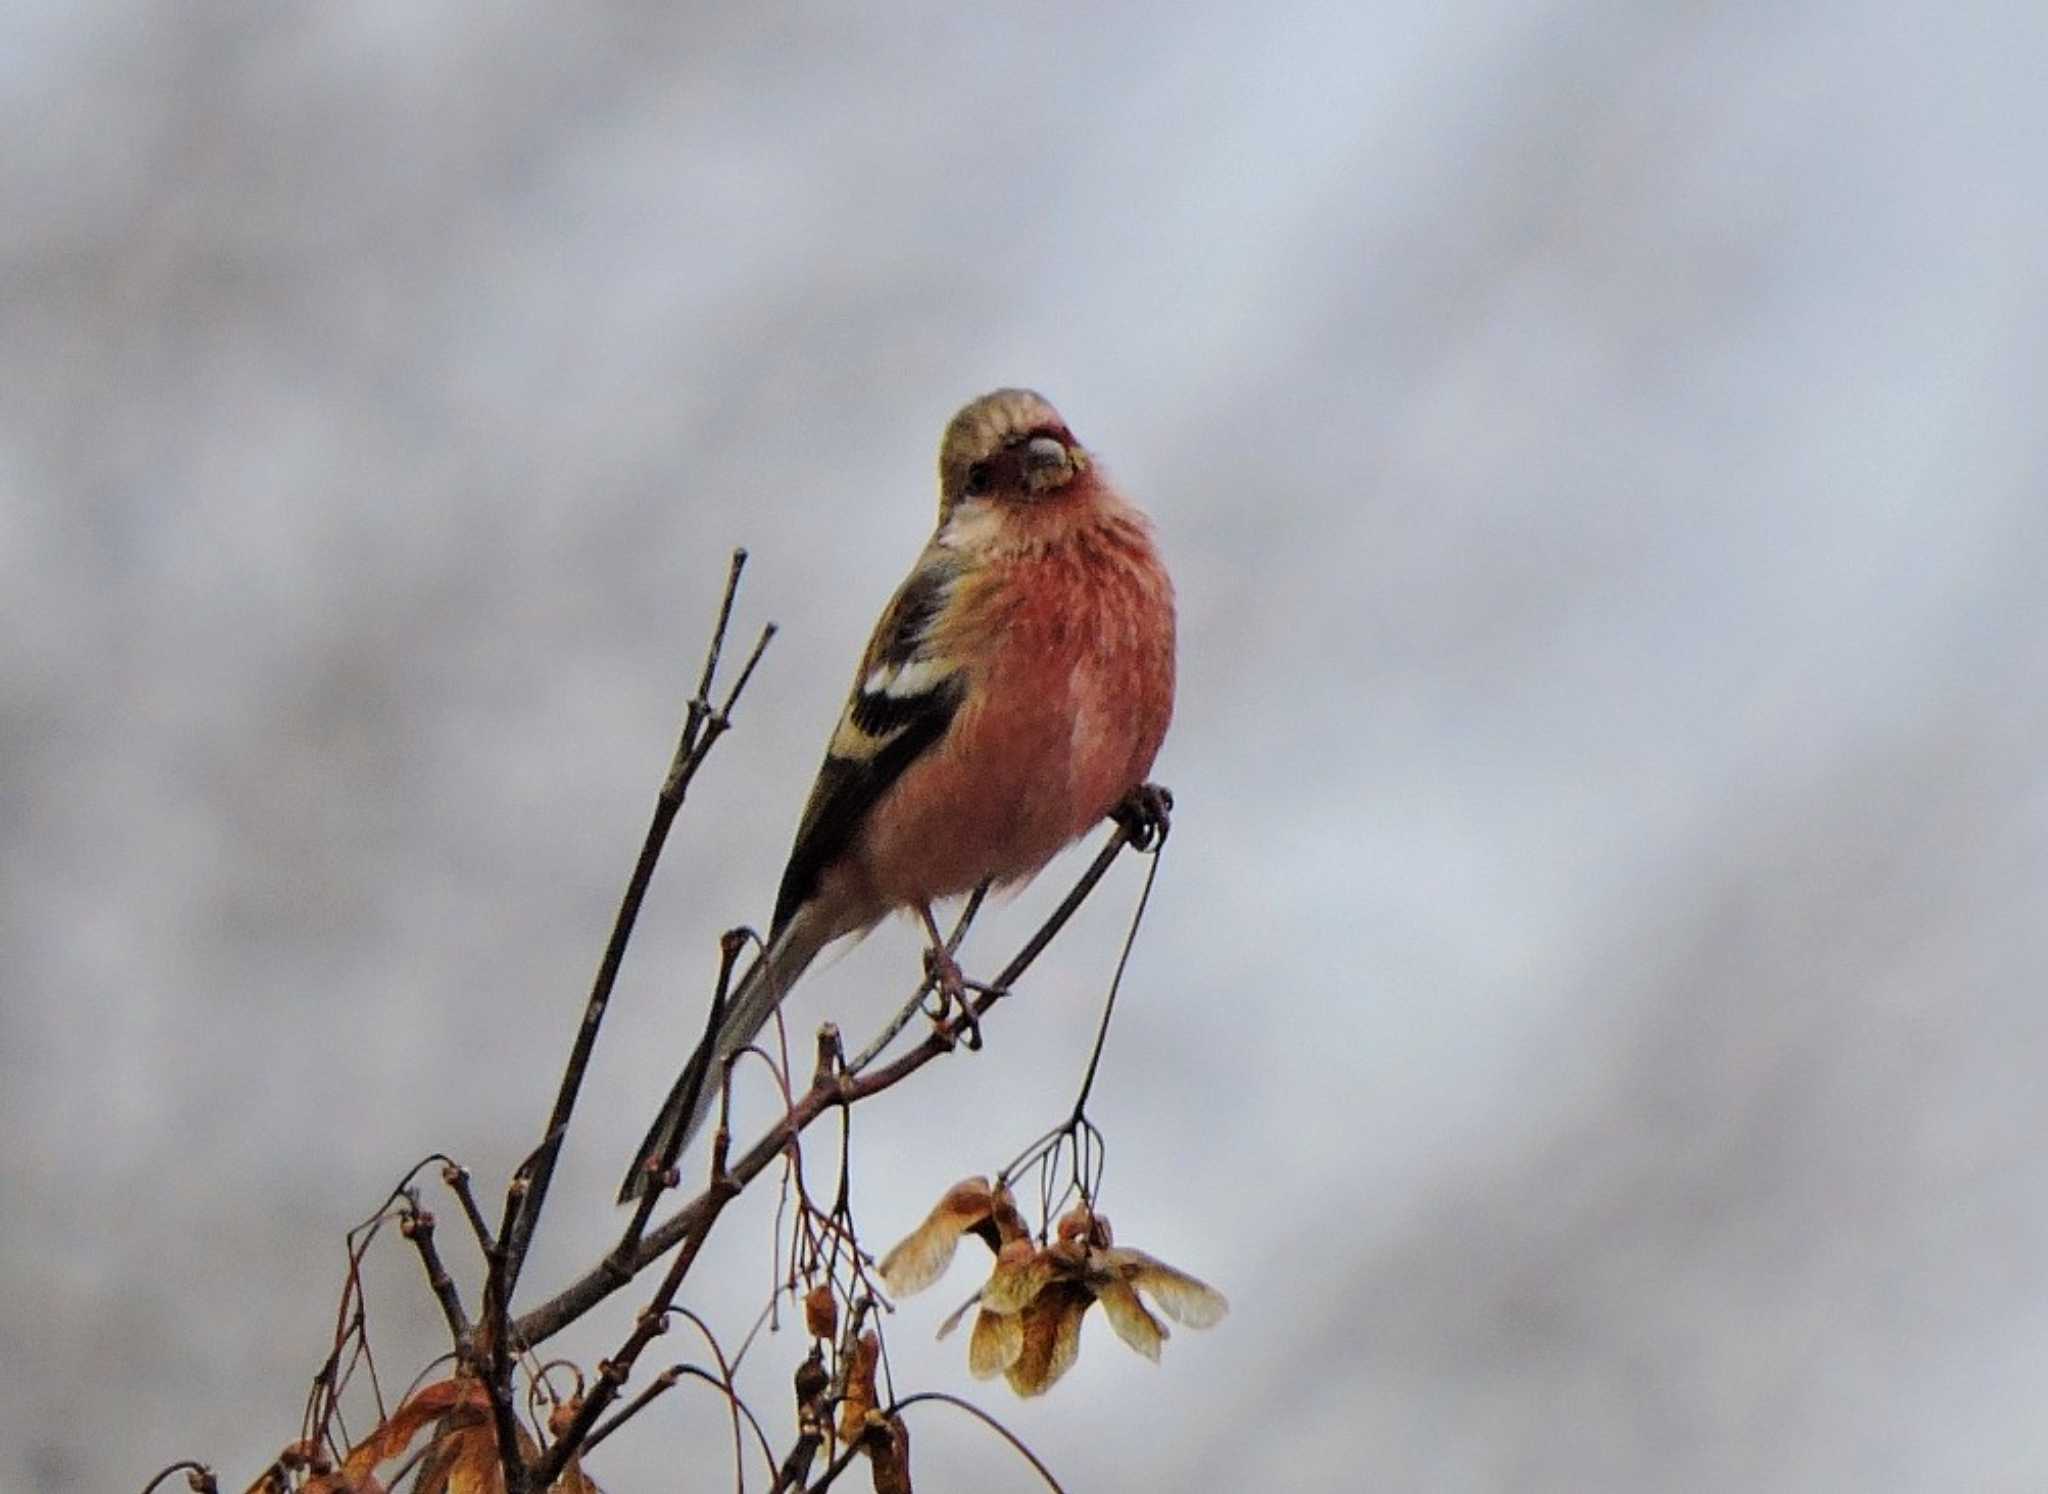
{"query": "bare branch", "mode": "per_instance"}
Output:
(573, 1301)
(417, 1225)
(702, 727)
(612, 1373)
(695, 1076)
(497, 1346)
(456, 1176)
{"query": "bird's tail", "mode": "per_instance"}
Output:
(747, 1009)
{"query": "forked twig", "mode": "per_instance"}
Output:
(573, 1301)
(417, 1225)
(497, 1347)
(1154, 806)
(694, 1078)
(702, 727)
(652, 1322)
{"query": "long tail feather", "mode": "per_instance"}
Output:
(747, 1010)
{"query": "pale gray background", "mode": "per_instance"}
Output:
(1591, 1019)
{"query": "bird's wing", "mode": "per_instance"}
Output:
(903, 699)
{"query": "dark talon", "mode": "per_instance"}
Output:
(1146, 814)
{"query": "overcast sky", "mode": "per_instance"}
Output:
(1590, 1019)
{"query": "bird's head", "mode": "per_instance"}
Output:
(1009, 446)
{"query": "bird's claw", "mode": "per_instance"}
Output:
(1146, 815)
(950, 989)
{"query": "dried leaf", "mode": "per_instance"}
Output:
(888, 1450)
(1021, 1273)
(859, 1400)
(1127, 1315)
(560, 1419)
(1035, 1299)
(463, 1458)
(562, 1415)
(821, 1312)
(390, 1440)
(1052, 1338)
(921, 1257)
(997, 1340)
(1004, 1222)
(1180, 1296)
(475, 1468)
(1083, 1225)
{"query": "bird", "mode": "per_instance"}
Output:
(1014, 693)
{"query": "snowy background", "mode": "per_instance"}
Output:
(1591, 1018)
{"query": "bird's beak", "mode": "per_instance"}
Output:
(1048, 462)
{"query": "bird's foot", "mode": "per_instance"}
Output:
(949, 986)
(1146, 814)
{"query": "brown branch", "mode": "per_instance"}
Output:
(825, 1092)
(666, 1381)
(497, 1347)
(612, 1373)
(739, 1407)
(456, 1176)
(323, 1400)
(417, 1225)
(694, 1078)
(702, 726)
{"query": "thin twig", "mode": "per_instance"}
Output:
(666, 1381)
(498, 1332)
(702, 726)
(695, 1076)
(540, 1387)
(323, 1401)
(198, 1477)
(726, 1369)
(1116, 980)
(417, 1225)
(652, 1322)
(839, 1464)
(423, 1374)
(456, 1176)
(573, 1301)
(1090, 1150)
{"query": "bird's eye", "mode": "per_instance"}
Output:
(977, 479)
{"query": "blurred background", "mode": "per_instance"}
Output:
(1590, 1017)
